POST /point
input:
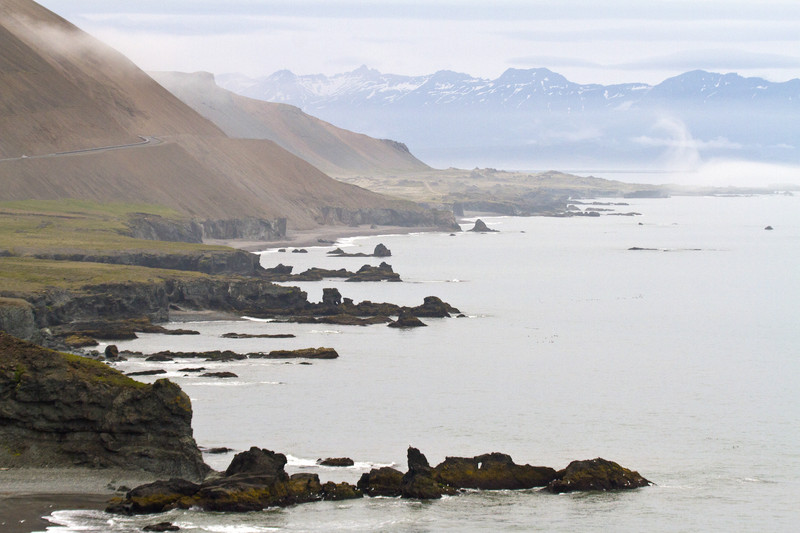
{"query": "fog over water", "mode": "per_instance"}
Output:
(679, 360)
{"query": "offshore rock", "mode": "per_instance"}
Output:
(383, 272)
(418, 482)
(492, 471)
(336, 461)
(433, 307)
(255, 480)
(65, 410)
(595, 474)
(383, 481)
(481, 227)
(407, 320)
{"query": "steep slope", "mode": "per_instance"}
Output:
(63, 91)
(333, 150)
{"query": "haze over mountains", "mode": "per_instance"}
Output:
(62, 90)
(333, 150)
(537, 119)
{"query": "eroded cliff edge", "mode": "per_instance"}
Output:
(62, 410)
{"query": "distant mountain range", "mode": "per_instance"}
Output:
(536, 119)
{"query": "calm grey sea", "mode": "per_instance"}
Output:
(681, 362)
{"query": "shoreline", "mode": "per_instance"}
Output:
(27, 495)
(311, 237)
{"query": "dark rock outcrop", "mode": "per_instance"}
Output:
(492, 471)
(380, 251)
(65, 410)
(407, 320)
(481, 227)
(220, 375)
(595, 474)
(303, 353)
(336, 461)
(383, 272)
(331, 296)
(385, 481)
(255, 480)
(419, 482)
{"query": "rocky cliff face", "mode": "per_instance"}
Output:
(152, 300)
(63, 410)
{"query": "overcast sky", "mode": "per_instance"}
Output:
(612, 41)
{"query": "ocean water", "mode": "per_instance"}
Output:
(681, 361)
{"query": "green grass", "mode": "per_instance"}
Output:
(76, 226)
(66, 227)
(24, 275)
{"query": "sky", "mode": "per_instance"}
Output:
(614, 41)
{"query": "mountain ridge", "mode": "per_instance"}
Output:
(536, 118)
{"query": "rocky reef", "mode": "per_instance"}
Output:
(256, 480)
(65, 410)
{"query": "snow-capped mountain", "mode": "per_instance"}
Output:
(537, 118)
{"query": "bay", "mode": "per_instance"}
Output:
(680, 360)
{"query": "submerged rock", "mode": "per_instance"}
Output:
(595, 474)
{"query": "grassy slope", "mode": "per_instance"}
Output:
(70, 226)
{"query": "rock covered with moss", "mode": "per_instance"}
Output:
(255, 480)
(595, 474)
(491, 471)
(64, 410)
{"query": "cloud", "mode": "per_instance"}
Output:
(714, 59)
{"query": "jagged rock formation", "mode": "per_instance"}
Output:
(64, 410)
(255, 480)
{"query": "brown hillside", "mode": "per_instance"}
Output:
(62, 90)
(333, 150)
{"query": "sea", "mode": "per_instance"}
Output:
(667, 341)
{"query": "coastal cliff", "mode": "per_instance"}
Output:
(61, 410)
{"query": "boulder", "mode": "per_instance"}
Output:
(258, 461)
(383, 481)
(595, 474)
(340, 491)
(492, 471)
(111, 351)
(381, 251)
